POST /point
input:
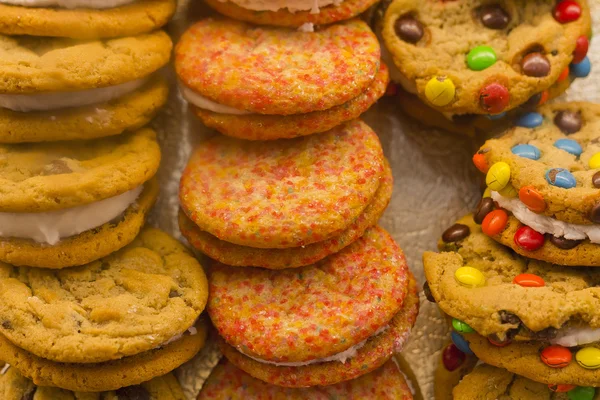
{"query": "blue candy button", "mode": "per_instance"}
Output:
(561, 177)
(461, 343)
(530, 120)
(582, 69)
(495, 117)
(526, 151)
(569, 145)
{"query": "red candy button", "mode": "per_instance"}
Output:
(452, 357)
(581, 48)
(528, 239)
(567, 11)
(561, 388)
(529, 280)
(494, 98)
(499, 344)
(494, 222)
(545, 96)
(532, 199)
(563, 75)
(556, 356)
(481, 163)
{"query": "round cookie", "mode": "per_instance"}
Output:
(141, 16)
(33, 65)
(290, 193)
(112, 375)
(251, 69)
(127, 113)
(242, 256)
(375, 352)
(127, 303)
(229, 382)
(270, 127)
(471, 57)
(14, 386)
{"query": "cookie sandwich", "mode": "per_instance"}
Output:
(119, 321)
(262, 83)
(453, 366)
(468, 60)
(286, 204)
(543, 178)
(70, 203)
(62, 89)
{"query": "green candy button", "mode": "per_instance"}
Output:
(461, 327)
(581, 393)
(481, 57)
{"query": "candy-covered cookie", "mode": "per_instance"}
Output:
(262, 83)
(476, 57)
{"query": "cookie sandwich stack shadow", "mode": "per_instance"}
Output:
(472, 66)
(520, 275)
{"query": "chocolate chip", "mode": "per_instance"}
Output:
(563, 243)
(427, 292)
(409, 29)
(455, 233)
(57, 167)
(532, 103)
(485, 206)
(595, 214)
(133, 393)
(568, 121)
(494, 17)
(536, 65)
(6, 325)
(545, 334)
(554, 52)
(596, 180)
(174, 293)
(30, 394)
(509, 318)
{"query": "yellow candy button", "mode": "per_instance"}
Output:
(487, 193)
(440, 90)
(498, 176)
(509, 191)
(595, 161)
(469, 276)
(588, 357)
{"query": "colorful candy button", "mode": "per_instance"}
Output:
(509, 191)
(561, 178)
(535, 65)
(452, 357)
(493, 16)
(527, 151)
(498, 176)
(528, 239)
(494, 98)
(409, 29)
(594, 162)
(485, 206)
(530, 120)
(493, 339)
(582, 393)
(461, 343)
(456, 233)
(556, 356)
(481, 163)
(581, 49)
(460, 326)
(563, 75)
(440, 91)
(469, 277)
(529, 280)
(561, 388)
(544, 98)
(569, 145)
(582, 69)
(494, 222)
(568, 121)
(588, 357)
(427, 292)
(487, 193)
(567, 11)
(532, 199)
(480, 58)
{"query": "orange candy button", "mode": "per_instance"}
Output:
(556, 356)
(529, 280)
(561, 388)
(532, 199)
(481, 163)
(563, 75)
(494, 222)
(544, 98)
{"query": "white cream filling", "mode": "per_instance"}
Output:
(96, 4)
(574, 336)
(291, 5)
(192, 331)
(57, 100)
(307, 27)
(206, 104)
(544, 224)
(341, 357)
(50, 227)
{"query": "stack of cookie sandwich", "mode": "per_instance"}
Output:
(472, 66)
(519, 276)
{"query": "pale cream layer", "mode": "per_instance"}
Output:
(291, 5)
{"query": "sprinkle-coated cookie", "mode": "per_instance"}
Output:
(469, 56)
(140, 16)
(227, 382)
(269, 127)
(14, 386)
(275, 70)
(126, 113)
(32, 64)
(375, 352)
(242, 256)
(346, 9)
(290, 193)
(129, 302)
(554, 155)
(110, 375)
